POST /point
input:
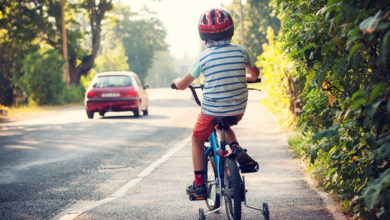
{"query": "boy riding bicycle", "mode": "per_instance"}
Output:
(225, 91)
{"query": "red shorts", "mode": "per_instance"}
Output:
(204, 126)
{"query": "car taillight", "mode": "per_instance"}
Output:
(132, 93)
(90, 94)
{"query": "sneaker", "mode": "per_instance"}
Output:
(197, 192)
(247, 164)
(239, 152)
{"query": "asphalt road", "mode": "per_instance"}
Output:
(61, 165)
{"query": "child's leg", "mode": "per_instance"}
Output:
(202, 130)
(247, 164)
(230, 137)
(198, 190)
(198, 158)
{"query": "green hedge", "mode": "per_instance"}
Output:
(42, 79)
(73, 94)
(343, 75)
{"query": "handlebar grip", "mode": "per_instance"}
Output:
(173, 86)
(258, 80)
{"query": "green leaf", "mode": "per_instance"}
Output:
(350, 124)
(329, 8)
(369, 24)
(372, 194)
(328, 133)
(383, 26)
(384, 47)
(355, 48)
(358, 99)
(371, 109)
(388, 105)
(383, 153)
(353, 35)
(377, 91)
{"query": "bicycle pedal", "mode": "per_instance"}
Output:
(193, 198)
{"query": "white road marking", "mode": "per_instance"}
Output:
(83, 206)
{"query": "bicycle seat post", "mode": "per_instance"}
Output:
(223, 143)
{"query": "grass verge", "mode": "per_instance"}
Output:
(26, 111)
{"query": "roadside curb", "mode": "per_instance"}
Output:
(329, 202)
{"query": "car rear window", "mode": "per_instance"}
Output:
(112, 81)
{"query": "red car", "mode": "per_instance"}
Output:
(116, 91)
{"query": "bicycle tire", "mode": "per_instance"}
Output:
(201, 214)
(213, 196)
(233, 189)
(265, 211)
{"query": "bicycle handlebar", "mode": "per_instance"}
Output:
(192, 88)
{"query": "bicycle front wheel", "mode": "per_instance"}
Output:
(233, 192)
(213, 188)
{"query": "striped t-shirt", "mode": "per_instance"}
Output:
(225, 91)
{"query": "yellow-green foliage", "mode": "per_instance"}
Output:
(276, 69)
(87, 79)
(114, 60)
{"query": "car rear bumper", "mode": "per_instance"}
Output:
(105, 105)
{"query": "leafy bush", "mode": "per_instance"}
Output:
(278, 71)
(343, 74)
(300, 145)
(42, 76)
(73, 94)
(86, 80)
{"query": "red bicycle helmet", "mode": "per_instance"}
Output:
(216, 24)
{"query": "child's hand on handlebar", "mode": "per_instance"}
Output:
(182, 83)
(174, 83)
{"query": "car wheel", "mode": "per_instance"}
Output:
(145, 112)
(102, 114)
(90, 114)
(136, 113)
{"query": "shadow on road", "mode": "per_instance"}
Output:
(147, 117)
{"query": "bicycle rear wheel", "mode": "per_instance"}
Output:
(213, 195)
(233, 189)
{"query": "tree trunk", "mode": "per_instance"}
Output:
(96, 14)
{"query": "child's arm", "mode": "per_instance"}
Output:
(183, 83)
(253, 73)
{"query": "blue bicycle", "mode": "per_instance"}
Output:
(223, 177)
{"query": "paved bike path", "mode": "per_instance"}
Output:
(280, 181)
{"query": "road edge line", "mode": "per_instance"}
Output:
(80, 207)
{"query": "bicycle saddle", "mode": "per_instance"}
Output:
(225, 122)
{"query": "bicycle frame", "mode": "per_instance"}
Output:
(217, 149)
(220, 154)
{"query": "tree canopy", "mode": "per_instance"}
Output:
(141, 37)
(258, 16)
(26, 26)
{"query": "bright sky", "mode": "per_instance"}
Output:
(180, 18)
